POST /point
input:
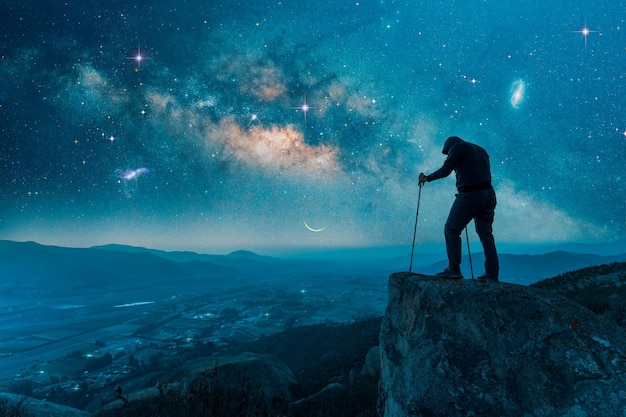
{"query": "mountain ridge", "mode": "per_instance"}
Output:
(31, 258)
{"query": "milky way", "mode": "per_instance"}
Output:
(265, 125)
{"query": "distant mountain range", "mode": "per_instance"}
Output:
(528, 269)
(25, 263)
(616, 247)
(186, 256)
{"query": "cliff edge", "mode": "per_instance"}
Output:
(468, 348)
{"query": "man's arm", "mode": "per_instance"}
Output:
(455, 155)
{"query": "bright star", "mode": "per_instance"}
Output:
(585, 32)
(254, 117)
(304, 107)
(138, 57)
(471, 80)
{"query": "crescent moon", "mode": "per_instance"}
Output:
(312, 229)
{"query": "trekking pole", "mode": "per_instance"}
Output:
(468, 252)
(417, 212)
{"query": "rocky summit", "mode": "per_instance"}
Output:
(469, 348)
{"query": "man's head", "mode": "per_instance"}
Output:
(449, 143)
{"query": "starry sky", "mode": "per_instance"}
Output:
(215, 126)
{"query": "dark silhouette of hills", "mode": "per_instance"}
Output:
(616, 247)
(186, 256)
(29, 263)
(601, 288)
(527, 269)
(58, 269)
(320, 353)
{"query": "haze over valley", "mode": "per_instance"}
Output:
(77, 320)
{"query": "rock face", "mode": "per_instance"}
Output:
(467, 348)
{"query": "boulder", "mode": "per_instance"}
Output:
(470, 348)
(371, 367)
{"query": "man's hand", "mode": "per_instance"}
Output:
(422, 179)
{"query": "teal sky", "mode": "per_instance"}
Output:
(214, 126)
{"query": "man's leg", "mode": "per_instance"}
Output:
(484, 222)
(461, 214)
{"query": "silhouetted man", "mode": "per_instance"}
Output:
(475, 200)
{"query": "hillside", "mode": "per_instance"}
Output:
(602, 289)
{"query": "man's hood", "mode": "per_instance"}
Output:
(449, 143)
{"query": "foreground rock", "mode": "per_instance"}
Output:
(466, 348)
(18, 405)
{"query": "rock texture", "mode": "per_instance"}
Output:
(467, 348)
(17, 405)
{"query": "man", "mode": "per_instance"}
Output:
(475, 200)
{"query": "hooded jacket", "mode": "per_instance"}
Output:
(470, 162)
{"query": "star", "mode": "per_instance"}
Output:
(138, 57)
(585, 32)
(254, 117)
(304, 107)
(472, 80)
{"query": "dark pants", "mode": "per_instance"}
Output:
(480, 206)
